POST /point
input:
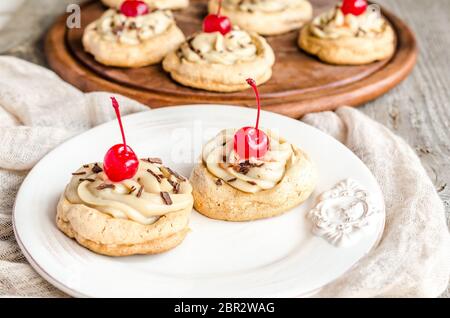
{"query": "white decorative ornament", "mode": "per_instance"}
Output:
(344, 213)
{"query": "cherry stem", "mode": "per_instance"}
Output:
(220, 8)
(252, 83)
(115, 104)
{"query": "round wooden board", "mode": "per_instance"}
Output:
(300, 83)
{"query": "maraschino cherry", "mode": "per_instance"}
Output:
(216, 22)
(120, 161)
(251, 141)
(355, 7)
(133, 8)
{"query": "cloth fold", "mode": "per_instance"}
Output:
(38, 111)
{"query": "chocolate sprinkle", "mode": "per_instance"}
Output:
(153, 160)
(132, 190)
(78, 173)
(219, 182)
(106, 186)
(158, 177)
(140, 192)
(175, 186)
(251, 182)
(176, 175)
(244, 167)
(232, 180)
(85, 166)
(96, 168)
(86, 179)
(117, 30)
(166, 197)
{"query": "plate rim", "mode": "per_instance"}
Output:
(74, 293)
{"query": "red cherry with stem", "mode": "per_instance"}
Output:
(133, 8)
(251, 141)
(216, 22)
(355, 7)
(120, 161)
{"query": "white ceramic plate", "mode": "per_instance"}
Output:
(277, 257)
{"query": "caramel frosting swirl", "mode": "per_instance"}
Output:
(236, 46)
(154, 191)
(268, 6)
(334, 24)
(114, 26)
(251, 175)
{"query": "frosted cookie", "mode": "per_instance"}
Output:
(250, 173)
(132, 37)
(266, 17)
(220, 58)
(221, 63)
(350, 33)
(126, 206)
(158, 4)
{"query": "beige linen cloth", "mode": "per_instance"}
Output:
(38, 111)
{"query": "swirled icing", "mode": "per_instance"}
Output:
(334, 24)
(114, 26)
(234, 47)
(268, 6)
(251, 175)
(139, 199)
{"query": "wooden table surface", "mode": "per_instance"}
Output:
(418, 109)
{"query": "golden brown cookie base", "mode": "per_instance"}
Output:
(224, 202)
(152, 247)
(116, 54)
(349, 51)
(217, 86)
(105, 235)
(267, 23)
(220, 77)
